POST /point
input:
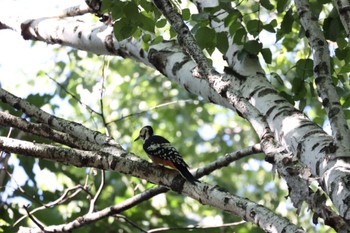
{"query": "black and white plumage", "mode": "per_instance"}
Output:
(162, 152)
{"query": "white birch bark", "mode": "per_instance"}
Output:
(343, 8)
(204, 193)
(308, 142)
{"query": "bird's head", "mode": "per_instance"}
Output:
(145, 133)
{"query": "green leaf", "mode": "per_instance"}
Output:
(298, 88)
(289, 43)
(270, 27)
(130, 9)
(254, 27)
(206, 38)
(342, 53)
(240, 36)
(282, 5)
(304, 68)
(287, 22)
(222, 42)
(186, 14)
(234, 27)
(117, 9)
(345, 69)
(157, 40)
(147, 6)
(266, 4)
(123, 29)
(267, 55)
(332, 27)
(232, 18)
(145, 23)
(146, 38)
(161, 23)
(203, 16)
(39, 100)
(253, 47)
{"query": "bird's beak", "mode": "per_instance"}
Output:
(137, 138)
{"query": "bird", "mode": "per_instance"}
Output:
(160, 151)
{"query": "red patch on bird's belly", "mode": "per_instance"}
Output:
(163, 162)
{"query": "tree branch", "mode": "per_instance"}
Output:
(203, 193)
(343, 8)
(308, 142)
(64, 197)
(57, 123)
(323, 78)
(185, 37)
(220, 83)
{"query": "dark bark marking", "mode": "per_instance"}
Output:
(158, 59)
(50, 120)
(255, 91)
(25, 30)
(266, 91)
(318, 68)
(178, 65)
(269, 111)
(226, 201)
(306, 124)
(84, 161)
(178, 184)
(314, 146)
(325, 102)
(329, 149)
(230, 71)
(17, 106)
(307, 33)
(113, 164)
(110, 45)
(320, 42)
(281, 101)
(3, 99)
(55, 40)
(211, 100)
(187, 88)
(334, 111)
(142, 53)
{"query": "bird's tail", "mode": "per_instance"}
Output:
(186, 174)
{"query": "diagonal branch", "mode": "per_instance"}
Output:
(184, 35)
(222, 84)
(57, 123)
(343, 8)
(323, 77)
(202, 192)
(307, 141)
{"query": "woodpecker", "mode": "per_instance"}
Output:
(162, 152)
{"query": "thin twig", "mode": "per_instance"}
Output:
(63, 198)
(119, 216)
(98, 193)
(5, 161)
(101, 98)
(33, 219)
(73, 96)
(198, 227)
(152, 108)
